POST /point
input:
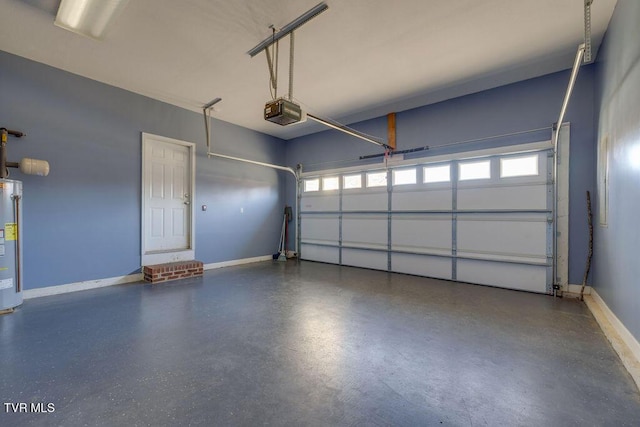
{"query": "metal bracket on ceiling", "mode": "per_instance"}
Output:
(211, 103)
(587, 31)
(289, 28)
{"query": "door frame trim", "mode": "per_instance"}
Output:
(171, 256)
(562, 214)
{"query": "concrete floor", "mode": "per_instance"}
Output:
(311, 344)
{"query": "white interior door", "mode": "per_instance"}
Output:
(167, 194)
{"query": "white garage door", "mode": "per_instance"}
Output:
(483, 217)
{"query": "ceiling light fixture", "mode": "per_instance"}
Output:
(88, 17)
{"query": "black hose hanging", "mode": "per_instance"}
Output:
(590, 255)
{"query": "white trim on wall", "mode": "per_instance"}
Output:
(121, 280)
(215, 265)
(623, 342)
(81, 286)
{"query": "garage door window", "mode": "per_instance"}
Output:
(518, 166)
(377, 179)
(311, 185)
(352, 181)
(432, 174)
(404, 176)
(330, 183)
(475, 170)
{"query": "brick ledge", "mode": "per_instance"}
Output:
(172, 271)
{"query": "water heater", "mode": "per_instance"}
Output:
(10, 244)
(11, 222)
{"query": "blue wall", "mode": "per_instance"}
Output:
(616, 246)
(527, 105)
(82, 222)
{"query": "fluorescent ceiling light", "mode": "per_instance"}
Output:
(88, 17)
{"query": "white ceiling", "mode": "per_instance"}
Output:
(359, 59)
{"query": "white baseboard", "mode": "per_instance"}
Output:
(80, 286)
(100, 283)
(623, 342)
(242, 261)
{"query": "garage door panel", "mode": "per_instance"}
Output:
(421, 233)
(367, 231)
(376, 260)
(321, 229)
(422, 200)
(478, 217)
(530, 197)
(421, 265)
(320, 253)
(524, 236)
(320, 203)
(512, 276)
(369, 201)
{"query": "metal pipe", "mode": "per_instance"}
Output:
(272, 76)
(3, 153)
(291, 26)
(16, 212)
(567, 96)
(15, 133)
(206, 127)
(347, 130)
(205, 110)
(269, 165)
(291, 58)
(275, 87)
